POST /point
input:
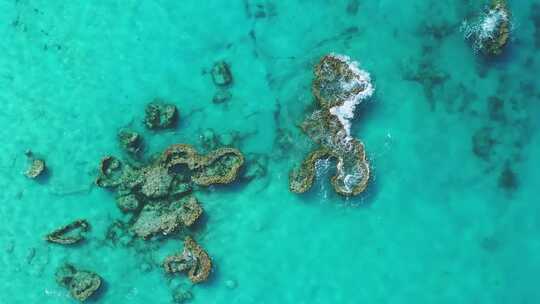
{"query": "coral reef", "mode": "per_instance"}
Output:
(71, 233)
(160, 115)
(36, 166)
(194, 260)
(82, 284)
(339, 86)
(491, 32)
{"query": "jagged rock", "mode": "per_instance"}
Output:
(193, 260)
(69, 234)
(221, 74)
(81, 284)
(160, 115)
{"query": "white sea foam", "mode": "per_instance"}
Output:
(362, 79)
(485, 28)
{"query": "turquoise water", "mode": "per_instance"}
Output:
(437, 224)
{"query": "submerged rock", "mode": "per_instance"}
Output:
(508, 179)
(82, 284)
(221, 74)
(69, 234)
(221, 96)
(181, 295)
(194, 260)
(160, 115)
(130, 141)
(165, 218)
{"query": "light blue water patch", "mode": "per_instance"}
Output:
(446, 218)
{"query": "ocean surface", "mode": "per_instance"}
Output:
(451, 214)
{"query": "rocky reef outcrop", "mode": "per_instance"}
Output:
(490, 32)
(160, 115)
(82, 284)
(339, 86)
(193, 260)
(69, 234)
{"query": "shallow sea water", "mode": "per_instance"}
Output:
(436, 225)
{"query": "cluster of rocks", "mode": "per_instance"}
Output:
(490, 33)
(223, 79)
(339, 85)
(159, 196)
(159, 193)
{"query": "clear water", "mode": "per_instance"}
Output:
(435, 226)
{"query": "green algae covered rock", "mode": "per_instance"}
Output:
(82, 284)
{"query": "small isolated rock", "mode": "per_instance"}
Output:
(160, 115)
(221, 74)
(69, 234)
(130, 141)
(221, 96)
(36, 166)
(231, 284)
